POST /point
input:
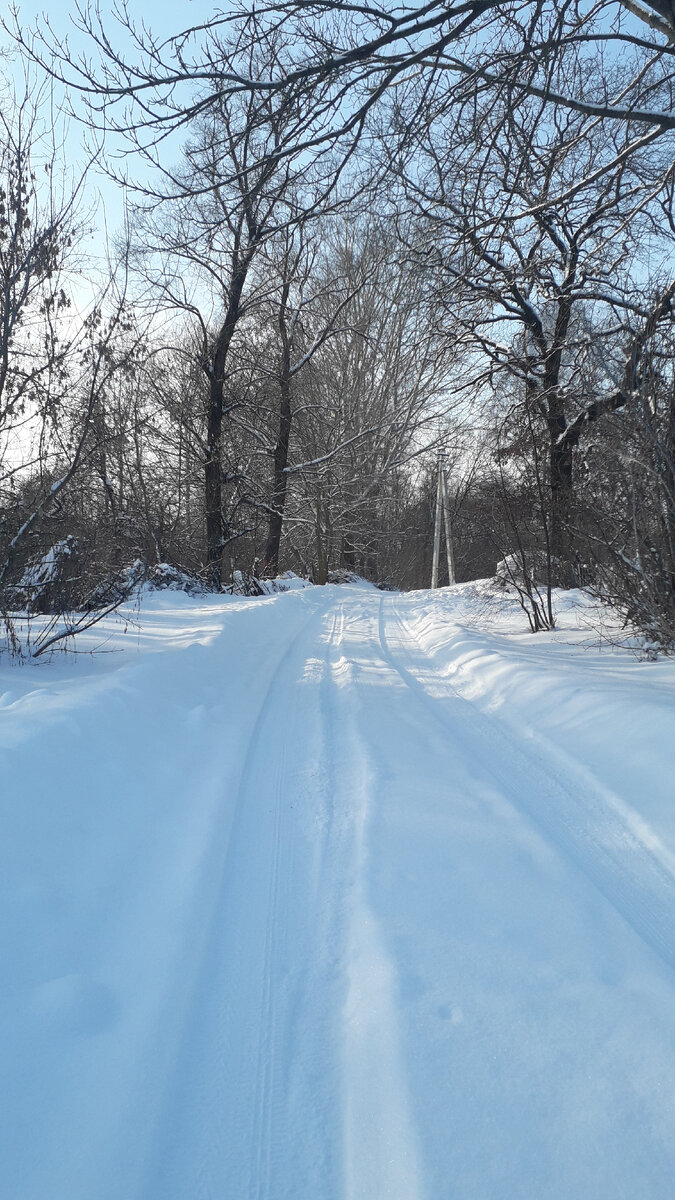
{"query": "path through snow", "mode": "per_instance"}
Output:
(337, 898)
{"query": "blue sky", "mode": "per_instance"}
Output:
(164, 18)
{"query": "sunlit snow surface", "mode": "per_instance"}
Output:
(336, 895)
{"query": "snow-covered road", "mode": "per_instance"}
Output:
(337, 896)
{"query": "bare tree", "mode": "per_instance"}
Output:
(374, 399)
(309, 305)
(625, 521)
(350, 56)
(253, 187)
(540, 227)
(39, 230)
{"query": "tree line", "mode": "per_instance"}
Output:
(354, 238)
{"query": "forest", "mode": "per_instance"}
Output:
(357, 241)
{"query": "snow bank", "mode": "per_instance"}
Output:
(585, 698)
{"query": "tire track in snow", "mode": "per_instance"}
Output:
(272, 1093)
(220, 1107)
(265, 1072)
(381, 1156)
(580, 818)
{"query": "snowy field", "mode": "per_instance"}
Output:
(338, 895)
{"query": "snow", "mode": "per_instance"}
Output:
(338, 895)
(46, 570)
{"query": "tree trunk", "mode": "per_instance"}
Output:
(669, 498)
(348, 553)
(271, 561)
(562, 493)
(213, 486)
(561, 453)
(321, 548)
(216, 531)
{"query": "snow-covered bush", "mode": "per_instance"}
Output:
(164, 576)
(47, 583)
(116, 588)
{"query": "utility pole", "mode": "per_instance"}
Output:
(442, 504)
(448, 527)
(437, 528)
